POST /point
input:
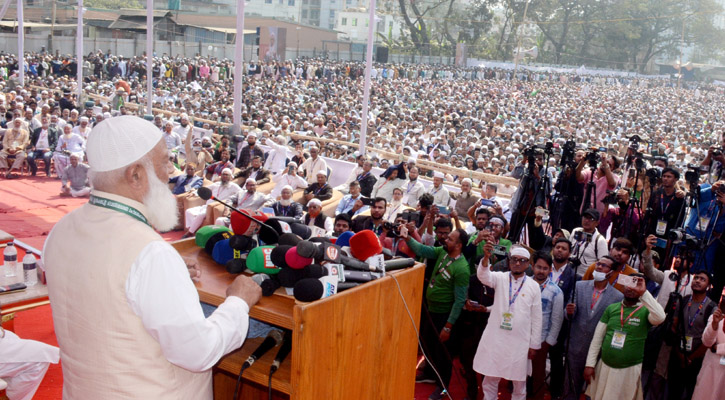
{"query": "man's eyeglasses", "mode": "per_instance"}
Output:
(519, 260)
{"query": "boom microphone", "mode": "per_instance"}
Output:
(390, 265)
(205, 194)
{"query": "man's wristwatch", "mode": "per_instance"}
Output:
(446, 329)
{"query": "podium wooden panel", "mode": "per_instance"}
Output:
(359, 344)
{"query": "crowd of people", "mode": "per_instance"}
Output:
(602, 262)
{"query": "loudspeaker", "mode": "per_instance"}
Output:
(381, 54)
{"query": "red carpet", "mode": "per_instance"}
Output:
(29, 207)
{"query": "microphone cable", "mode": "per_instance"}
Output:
(417, 335)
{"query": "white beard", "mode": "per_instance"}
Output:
(465, 195)
(160, 203)
(285, 202)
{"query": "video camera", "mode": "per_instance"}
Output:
(692, 175)
(610, 197)
(568, 151)
(717, 151)
(654, 175)
(593, 157)
(583, 236)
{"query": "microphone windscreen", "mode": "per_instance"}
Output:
(365, 244)
(289, 239)
(288, 277)
(242, 243)
(320, 239)
(214, 239)
(315, 271)
(308, 289)
(301, 230)
(223, 252)
(237, 265)
(240, 221)
(267, 284)
(307, 248)
(274, 224)
(205, 232)
(204, 193)
(296, 261)
(268, 235)
(344, 238)
(259, 260)
(278, 254)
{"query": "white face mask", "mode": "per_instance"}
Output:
(599, 276)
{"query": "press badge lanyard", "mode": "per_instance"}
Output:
(691, 320)
(512, 298)
(118, 206)
(442, 269)
(662, 203)
(622, 320)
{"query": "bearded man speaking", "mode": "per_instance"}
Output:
(127, 316)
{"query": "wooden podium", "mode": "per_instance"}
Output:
(359, 344)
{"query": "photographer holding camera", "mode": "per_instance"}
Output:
(664, 209)
(588, 243)
(600, 175)
(622, 215)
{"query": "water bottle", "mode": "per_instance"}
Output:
(30, 270)
(10, 259)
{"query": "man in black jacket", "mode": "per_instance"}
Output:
(286, 207)
(319, 190)
(367, 179)
(255, 171)
(42, 143)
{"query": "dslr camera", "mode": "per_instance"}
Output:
(580, 236)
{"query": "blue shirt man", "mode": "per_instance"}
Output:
(186, 182)
(347, 203)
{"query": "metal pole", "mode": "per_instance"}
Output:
(21, 45)
(5, 8)
(518, 46)
(149, 55)
(682, 49)
(368, 70)
(238, 68)
(79, 52)
(52, 25)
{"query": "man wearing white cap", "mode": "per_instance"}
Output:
(441, 196)
(513, 333)
(288, 177)
(224, 190)
(83, 129)
(127, 315)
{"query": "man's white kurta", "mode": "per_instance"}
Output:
(504, 353)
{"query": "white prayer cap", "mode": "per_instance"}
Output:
(438, 174)
(314, 202)
(464, 180)
(254, 181)
(227, 170)
(322, 172)
(120, 141)
(519, 251)
(288, 187)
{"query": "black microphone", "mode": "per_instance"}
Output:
(359, 276)
(273, 339)
(266, 282)
(390, 265)
(284, 350)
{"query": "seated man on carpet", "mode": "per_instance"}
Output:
(23, 364)
(68, 143)
(74, 180)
